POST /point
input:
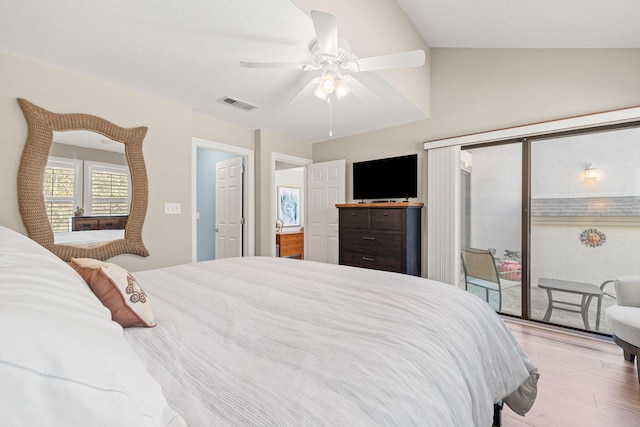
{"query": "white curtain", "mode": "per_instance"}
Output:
(443, 215)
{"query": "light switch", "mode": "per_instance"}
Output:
(172, 208)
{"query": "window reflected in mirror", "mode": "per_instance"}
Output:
(87, 188)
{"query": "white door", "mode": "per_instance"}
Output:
(325, 187)
(229, 208)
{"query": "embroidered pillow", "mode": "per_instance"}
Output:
(118, 290)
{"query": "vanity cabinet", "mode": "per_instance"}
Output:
(381, 236)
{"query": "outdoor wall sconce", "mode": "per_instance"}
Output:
(591, 172)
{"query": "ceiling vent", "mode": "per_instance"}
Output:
(236, 103)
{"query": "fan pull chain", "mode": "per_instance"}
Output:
(330, 124)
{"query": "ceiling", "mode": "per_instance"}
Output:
(526, 23)
(189, 51)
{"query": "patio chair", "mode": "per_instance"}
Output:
(480, 269)
(623, 319)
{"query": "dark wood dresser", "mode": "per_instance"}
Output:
(113, 222)
(381, 236)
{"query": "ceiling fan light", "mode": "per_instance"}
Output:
(341, 89)
(320, 93)
(328, 83)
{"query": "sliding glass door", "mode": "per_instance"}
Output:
(559, 215)
(585, 217)
(491, 205)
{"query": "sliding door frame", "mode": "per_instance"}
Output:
(525, 238)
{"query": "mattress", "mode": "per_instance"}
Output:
(276, 341)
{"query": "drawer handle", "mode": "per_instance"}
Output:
(368, 238)
(353, 214)
(366, 258)
(386, 214)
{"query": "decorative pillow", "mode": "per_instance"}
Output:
(118, 290)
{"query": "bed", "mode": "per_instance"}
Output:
(254, 341)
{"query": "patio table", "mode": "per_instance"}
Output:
(587, 290)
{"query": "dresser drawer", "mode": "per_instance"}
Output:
(371, 243)
(357, 219)
(111, 224)
(290, 243)
(86, 224)
(288, 250)
(387, 219)
(115, 222)
(291, 238)
(287, 245)
(386, 263)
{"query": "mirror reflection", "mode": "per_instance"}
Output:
(87, 188)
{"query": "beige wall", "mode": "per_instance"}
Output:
(267, 143)
(67, 151)
(167, 148)
(214, 130)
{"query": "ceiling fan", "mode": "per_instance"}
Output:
(334, 57)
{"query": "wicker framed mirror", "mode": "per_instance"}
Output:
(31, 175)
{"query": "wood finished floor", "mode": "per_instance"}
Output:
(584, 381)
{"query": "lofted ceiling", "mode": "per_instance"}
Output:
(189, 51)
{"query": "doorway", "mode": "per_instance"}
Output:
(287, 171)
(205, 156)
(324, 186)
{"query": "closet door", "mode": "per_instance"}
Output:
(229, 208)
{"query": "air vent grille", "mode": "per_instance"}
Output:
(237, 103)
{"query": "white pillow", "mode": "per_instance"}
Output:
(63, 361)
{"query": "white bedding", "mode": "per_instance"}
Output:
(63, 361)
(274, 341)
(87, 238)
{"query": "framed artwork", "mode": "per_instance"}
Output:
(289, 206)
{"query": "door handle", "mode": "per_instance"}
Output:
(216, 229)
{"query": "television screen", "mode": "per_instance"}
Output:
(392, 178)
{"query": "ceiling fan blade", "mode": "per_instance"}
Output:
(306, 91)
(360, 91)
(326, 27)
(277, 65)
(412, 58)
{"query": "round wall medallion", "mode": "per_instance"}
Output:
(592, 237)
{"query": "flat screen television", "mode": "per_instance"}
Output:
(383, 179)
